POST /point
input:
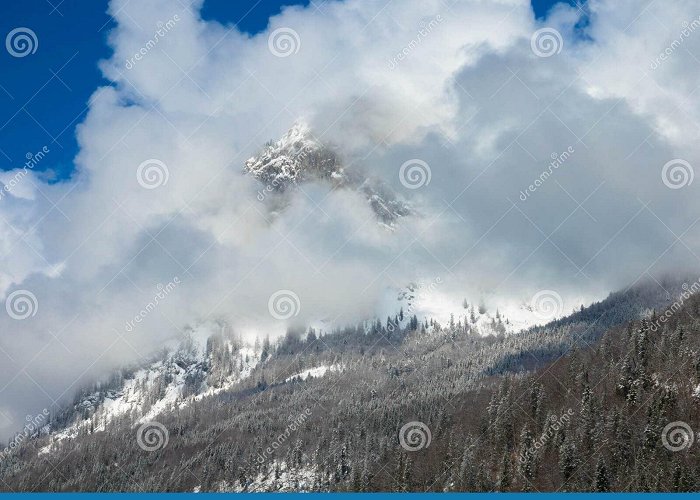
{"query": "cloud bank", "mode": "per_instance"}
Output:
(560, 157)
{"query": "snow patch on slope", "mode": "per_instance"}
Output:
(426, 300)
(316, 372)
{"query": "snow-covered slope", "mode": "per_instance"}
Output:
(200, 366)
(427, 301)
(316, 372)
(298, 157)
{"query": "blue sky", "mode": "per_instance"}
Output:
(43, 96)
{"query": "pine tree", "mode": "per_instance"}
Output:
(526, 459)
(569, 459)
(504, 478)
(602, 482)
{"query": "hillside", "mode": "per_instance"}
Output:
(325, 412)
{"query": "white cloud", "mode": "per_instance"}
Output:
(470, 99)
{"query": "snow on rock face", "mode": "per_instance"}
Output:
(296, 157)
(201, 366)
(299, 157)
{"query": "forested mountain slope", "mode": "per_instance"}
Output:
(579, 404)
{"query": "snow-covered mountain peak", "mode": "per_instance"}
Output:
(295, 158)
(299, 157)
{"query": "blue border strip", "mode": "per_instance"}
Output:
(432, 496)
